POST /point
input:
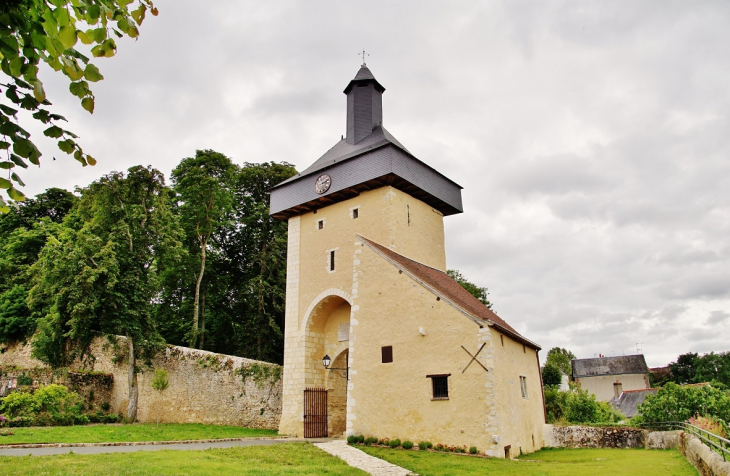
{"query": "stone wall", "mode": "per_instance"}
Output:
(706, 461)
(204, 387)
(593, 437)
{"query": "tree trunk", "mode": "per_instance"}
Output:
(202, 320)
(132, 380)
(196, 302)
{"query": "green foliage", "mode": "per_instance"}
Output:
(160, 381)
(578, 406)
(50, 30)
(551, 375)
(407, 445)
(370, 440)
(261, 373)
(560, 358)
(473, 450)
(482, 294)
(242, 292)
(683, 370)
(425, 445)
(98, 275)
(394, 443)
(49, 405)
(352, 439)
(679, 403)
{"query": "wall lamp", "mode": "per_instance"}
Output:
(326, 361)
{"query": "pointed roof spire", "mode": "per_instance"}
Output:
(361, 77)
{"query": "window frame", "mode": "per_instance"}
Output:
(523, 387)
(439, 386)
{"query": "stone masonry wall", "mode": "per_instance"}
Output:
(204, 387)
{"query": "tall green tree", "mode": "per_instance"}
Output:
(203, 185)
(560, 358)
(255, 246)
(478, 292)
(714, 368)
(98, 276)
(683, 370)
(23, 233)
(51, 31)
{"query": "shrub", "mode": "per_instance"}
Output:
(49, 405)
(394, 443)
(551, 375)
(473, 450)
(407, 445)
(383, 442)
(425, 445)
(351, 440)
(20, 422)
(360, 439)
(371, 440)
(676, 403)
(105, 406)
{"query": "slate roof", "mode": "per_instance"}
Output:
(629, 401)
(342, 151)
(447, 289)
(622, 364)
(364, 74)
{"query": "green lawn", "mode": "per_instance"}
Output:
(592, 462)
(284, 458)
(135, 432)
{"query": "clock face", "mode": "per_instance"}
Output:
(323, 183)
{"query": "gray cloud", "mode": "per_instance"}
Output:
(590, 138)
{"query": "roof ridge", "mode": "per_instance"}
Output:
(444, 293)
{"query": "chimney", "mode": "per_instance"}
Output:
(364, 105)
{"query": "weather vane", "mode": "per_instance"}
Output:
(363, 54)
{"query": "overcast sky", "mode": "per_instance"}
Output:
(592, 139)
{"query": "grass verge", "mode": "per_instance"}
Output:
(284, 458)
(126, 433)
(557, 461)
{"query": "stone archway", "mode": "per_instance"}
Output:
(326, 331)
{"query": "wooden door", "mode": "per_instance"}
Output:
(315, 413)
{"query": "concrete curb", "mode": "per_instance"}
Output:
(142, 443)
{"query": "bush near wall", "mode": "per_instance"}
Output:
(578, 406)
(49, 405)
(680, 403)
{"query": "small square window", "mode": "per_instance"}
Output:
(440, 386)
(355, 213)
(332, 260)
(523, 386)
(320, 224)
(387, 354)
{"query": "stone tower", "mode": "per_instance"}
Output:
(368, 184)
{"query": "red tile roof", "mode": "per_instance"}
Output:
(448, 289)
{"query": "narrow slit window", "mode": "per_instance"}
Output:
(501, 338)
(332, 260)
(523, 386)
(355, 213)
(387, 354)
(440, 386)
(320, 224)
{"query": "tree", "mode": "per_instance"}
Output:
(48, 30)
(683, 370)
(679, 403)
(551, 375)
(480, 293)
(203, 187)
(560, 358)
(98, 275)
(23, 233)
(713, 367)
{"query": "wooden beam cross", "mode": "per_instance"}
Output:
(474, 358)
